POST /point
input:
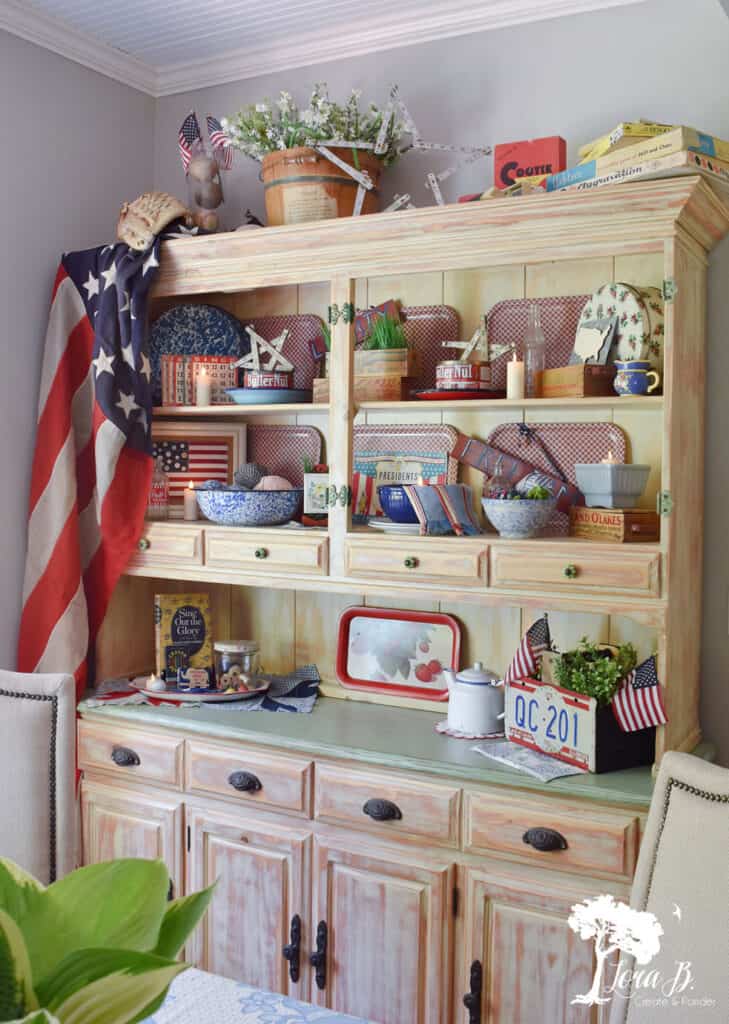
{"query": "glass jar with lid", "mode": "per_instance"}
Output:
(233, 659)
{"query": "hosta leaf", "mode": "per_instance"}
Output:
(119, 997)
(37, 1017)
(119, 904)
(87, 966)
(181, 917)
(16, 986)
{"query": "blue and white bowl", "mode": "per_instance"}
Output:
(249, 508)
(520, 519)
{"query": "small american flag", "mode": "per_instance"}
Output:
(639, 702)
(194, 460)
(534, 643)
(188, 135)
(220, 141)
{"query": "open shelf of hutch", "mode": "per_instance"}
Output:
(301, 844)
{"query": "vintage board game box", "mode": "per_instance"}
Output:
(180, 371)
(618, 526)
(183, 632)
(582, 380)
(529, 159)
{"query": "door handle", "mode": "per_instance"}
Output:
(318, 959)
(472, 998)
(292, 952)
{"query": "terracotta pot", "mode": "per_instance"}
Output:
(301, 185)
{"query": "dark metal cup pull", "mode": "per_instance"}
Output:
(292, 952)
(125, 757)
(545, 839)
(382, 810)
(245, 782)
(472, 998)
(318, 959)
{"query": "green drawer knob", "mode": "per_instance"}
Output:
(143, 544)
(261, 553)
(410, 562)
(570, 572)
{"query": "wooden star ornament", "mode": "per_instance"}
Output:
(260, 348)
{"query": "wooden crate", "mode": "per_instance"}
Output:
(615, 525)
(584, 380)
(383, 362)
(366, 389)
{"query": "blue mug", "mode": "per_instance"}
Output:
(635, 377)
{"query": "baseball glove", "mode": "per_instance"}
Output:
(140, 221)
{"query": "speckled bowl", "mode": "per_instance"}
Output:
(518, 520)
(249, 508)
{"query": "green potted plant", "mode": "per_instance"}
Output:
(595, 670)
(302, 184)
(99, 945)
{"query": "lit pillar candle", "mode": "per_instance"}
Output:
(190, 503)
(202, 389)
(515, 378)
(610, 459)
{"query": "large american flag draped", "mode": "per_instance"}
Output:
(92, 466)
(638, 704)
(533, 644)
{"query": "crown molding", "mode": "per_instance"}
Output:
(451, 18)
(20, 19)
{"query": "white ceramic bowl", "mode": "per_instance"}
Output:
(518, 519)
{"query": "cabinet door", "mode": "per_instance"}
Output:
(120, 822)
(388, 918)
(515, 925)
(259, 869)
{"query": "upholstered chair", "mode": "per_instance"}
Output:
(37, 772)
(683, 879)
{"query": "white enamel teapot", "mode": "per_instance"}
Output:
(475, 700)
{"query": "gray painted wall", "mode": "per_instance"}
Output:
(664, 59)
(76, 146)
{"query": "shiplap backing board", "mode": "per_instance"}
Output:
(301, 627)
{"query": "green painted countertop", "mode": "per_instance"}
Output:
(376, 735)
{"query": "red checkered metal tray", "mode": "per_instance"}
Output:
(507, 323)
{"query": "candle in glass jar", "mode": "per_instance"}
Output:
(190, 503)
(202, 389)
(515, 378)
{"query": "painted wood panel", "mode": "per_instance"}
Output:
(567, 277)
(117, 823)
(389, 921)
(533, 963)
(267, 616)
(158, 755)
(428, 812)
(261, 874)
(280, 782)
(604, 843)
(410, 289)
(474, 292)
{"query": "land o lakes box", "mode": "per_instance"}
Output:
(615, 525)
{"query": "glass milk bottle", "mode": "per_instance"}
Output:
(159, 495)
(534, 353)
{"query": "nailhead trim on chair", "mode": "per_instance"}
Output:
(704, 794)
(52, 767)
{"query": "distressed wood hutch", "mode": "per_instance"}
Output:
(411, 904)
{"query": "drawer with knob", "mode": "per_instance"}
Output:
(387, 805)
(140, 755)
(275, 782)
(173, 544)
(556, 833)
(460, 561)
(574, 567)
(265, 551)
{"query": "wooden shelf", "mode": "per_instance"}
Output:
(472, 404)
(183, 412)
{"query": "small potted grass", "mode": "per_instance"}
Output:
(381, 363)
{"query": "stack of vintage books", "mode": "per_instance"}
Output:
(640, 149)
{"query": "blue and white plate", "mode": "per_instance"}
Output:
(268, 396)
(194, 330)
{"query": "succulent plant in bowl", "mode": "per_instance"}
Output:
(519, 516)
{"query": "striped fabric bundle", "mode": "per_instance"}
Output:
(443, 508)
